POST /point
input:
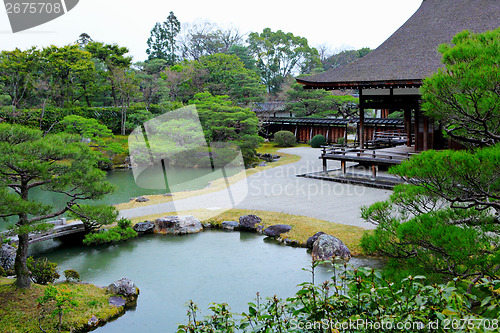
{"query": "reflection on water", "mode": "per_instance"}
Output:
(207, 267)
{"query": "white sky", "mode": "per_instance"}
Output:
(340, 24)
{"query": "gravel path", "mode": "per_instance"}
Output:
(279, 189)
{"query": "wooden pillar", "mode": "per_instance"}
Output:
(407, 116)
(374, 171)
(426, 133)
(327, 134)
(343, 167)
(361, 124)
(415, 128)
(311, 134)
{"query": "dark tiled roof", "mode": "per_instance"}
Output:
(330, 121)
(410, 55)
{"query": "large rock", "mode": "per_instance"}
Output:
(277, 229)
(178, 225)
(7, 257)
(144, 227)
(310, 241)
(126, 288)
(229, 225)
(141, 199)
(327, 247)
(249, 222)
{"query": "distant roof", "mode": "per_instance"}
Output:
(410, 54)
(331, 121)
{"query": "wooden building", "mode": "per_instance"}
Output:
(390, 77)
(332, 129)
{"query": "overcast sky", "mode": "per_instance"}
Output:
(340, 24)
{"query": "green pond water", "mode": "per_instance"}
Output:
(179, 179)
(212, 266)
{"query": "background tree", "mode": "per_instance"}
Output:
(223, 74)
(465, 95)
(206, 38)
(126, 90)
(223, 121)
(113, 58)
(279, 54)
(84, 39)
(343, 58)
(162, 42)
(18, 74)
(64, 69)
(151, 84)
(319, 103)
(56, 163)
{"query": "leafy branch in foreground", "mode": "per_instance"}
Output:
(361, 300)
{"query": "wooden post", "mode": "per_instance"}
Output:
(342, 167)
(426, 133)
(408, 126)
(415, 127)
(361, 124)
(361, 128)
(374, 171)
(311, 134)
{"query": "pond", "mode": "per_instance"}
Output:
(179, 179)
(212, 266)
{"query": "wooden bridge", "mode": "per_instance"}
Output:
(61, 228)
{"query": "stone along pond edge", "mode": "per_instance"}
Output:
(324, 247)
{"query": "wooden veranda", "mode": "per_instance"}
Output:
(370, 157)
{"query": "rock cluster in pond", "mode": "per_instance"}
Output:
(249, 222)
(144, 227)
(177, 225)
(277, 230)
(327, 247)
(125, 289)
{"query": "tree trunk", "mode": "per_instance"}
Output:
(23, 280)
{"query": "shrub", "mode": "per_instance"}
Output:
(2, 272)
(284, 139)
(124, 223)
(359, 294)
(71, 275)
(318, 141)
(112, 235)
(42, 271)
(341, 141)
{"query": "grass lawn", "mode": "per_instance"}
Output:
(303, 227)
(19, 310)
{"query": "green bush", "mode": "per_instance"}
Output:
(318, 141)
(71, 275)
(284, 139)
(124, 223)
(112, 235)
(341, 140)
(2, 272)
(42, 271)
(360, 295)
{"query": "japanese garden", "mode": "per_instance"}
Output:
(251, 182)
